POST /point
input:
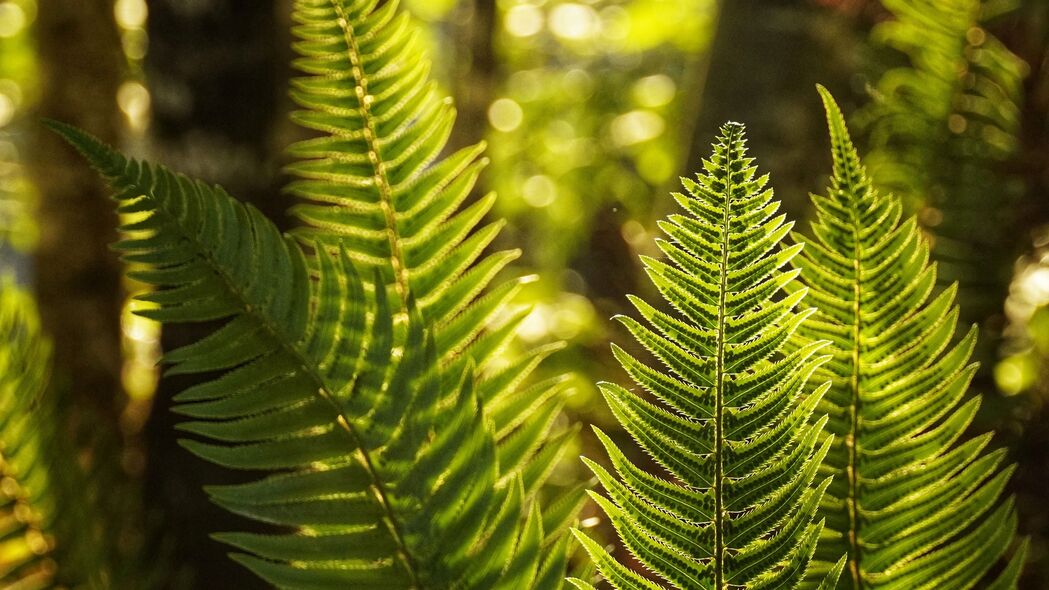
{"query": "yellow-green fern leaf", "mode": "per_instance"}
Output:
(732, 424)
(912, 505)
(374, 184)
(28, 503)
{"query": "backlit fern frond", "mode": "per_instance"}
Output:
(913, 506)
(939, 130)
(386, 470)
(731, 425)
(372, 183)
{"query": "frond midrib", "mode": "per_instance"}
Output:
(719, 406)
(321, 389)
(397, 259)
(852, 439)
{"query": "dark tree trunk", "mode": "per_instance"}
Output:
(474, 71)
(218, 74)
(77, 278)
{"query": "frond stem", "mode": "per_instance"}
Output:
(381, 178)
(851, 439)
(719, 539)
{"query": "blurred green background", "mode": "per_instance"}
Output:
(591, 110)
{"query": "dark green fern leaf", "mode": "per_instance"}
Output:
(732, 424)
(912, 505)
(387, 472)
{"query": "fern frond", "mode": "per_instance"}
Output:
(28, 503)
(938, 131)
(914, 507)
(386, 470)
(732, 425)
(372, 183)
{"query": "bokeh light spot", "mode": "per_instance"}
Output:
(574, 21)
(131, 14)
(505, 114)
(12, 19)
(636, 127)
(539, 191)
(524, 20)
(134, 102)
(654, 91)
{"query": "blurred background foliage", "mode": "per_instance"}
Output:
(591, 110)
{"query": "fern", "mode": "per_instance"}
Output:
(939, 130)
(52, 534)
(913, 508)
(370, 182)
(733, 428)
(372, 185)
(28, 506)
(387, 472)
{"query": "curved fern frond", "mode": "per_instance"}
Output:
(386, 471)
(732, 427)
(938, 131)
(915, 508)
(28, 506)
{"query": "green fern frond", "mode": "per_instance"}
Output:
(387, 471)
(372, 183)
(28, 504)
(914, 508)
(938, 131)
(732, 424)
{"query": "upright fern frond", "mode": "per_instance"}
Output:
(939, 130)
(733, 425)
(372, 184)
(914, 508)
(387, 472)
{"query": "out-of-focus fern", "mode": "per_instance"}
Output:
(387, 471)
(49, 534)
(732, 427)
(939, 130)
(27, 433)
(912, 507)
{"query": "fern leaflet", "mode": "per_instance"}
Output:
(914, 509)
(733, 427)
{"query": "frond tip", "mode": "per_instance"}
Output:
(914, 508)
(731, 425)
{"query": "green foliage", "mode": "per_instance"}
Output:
(28, 506)
(51, 532)
(371, 184)
(388, 468)
(939, 129)
(911, 505)
(733, 426)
